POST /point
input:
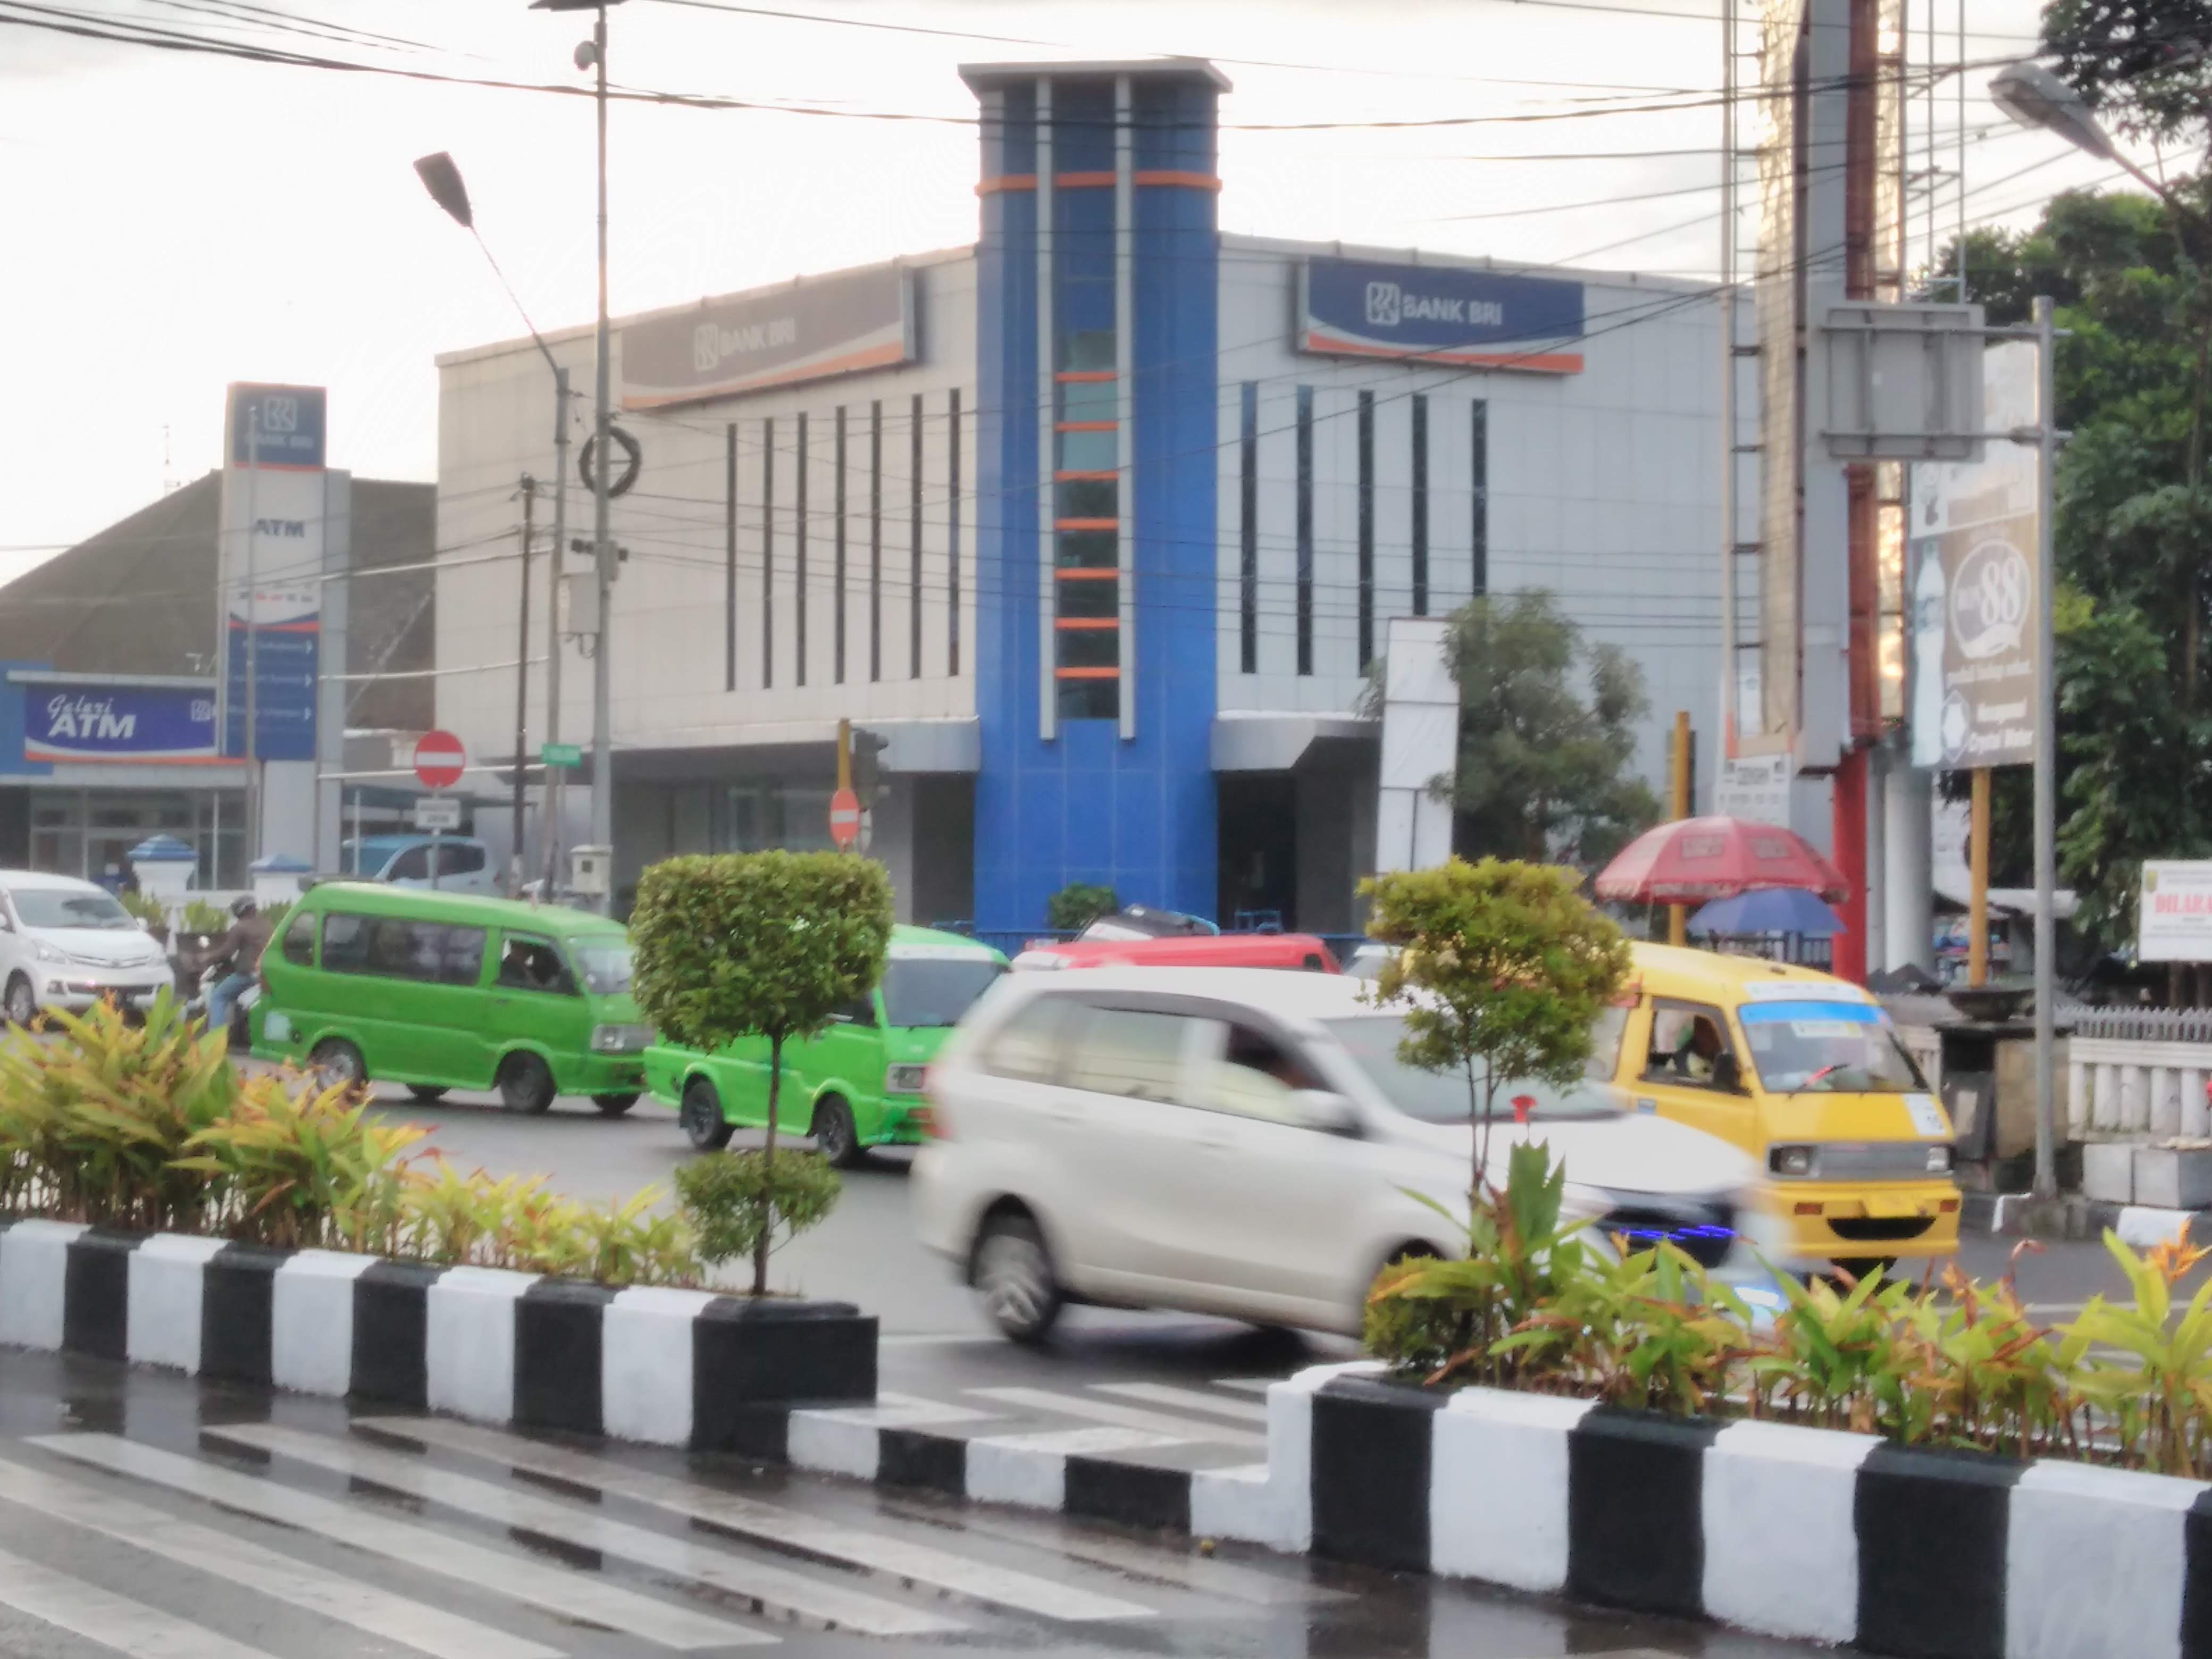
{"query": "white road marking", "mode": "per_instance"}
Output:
(872, 1551)
(379, 1613)
(98, 1615)
(1128, 1417)
(577, 1596)
(1247, 1384)
(772, 1589)
(1193, 1399)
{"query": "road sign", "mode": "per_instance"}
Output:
(439, 759)
(438, 812)
(844, 817)
(567, 756)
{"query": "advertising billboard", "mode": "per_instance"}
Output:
(72, 720)
(1439, 315)
(1973, 623)
(291, 429)
(2173, 915)
(831, 325)
(275, 533)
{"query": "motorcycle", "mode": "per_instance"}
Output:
(241, 1033)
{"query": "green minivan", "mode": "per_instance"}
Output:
(854, 1085)
(443, 991)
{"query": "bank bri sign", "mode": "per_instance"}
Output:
(1439, 315)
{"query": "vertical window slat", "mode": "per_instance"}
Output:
(876, 540)
(952, 543)
(1420, 504)
(799, 563)
(768, 551)
(1248, 529)
(1305, 529)
(1479, 491)
(1366, 529)
(837, 556)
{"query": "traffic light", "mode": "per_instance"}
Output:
(866, 746)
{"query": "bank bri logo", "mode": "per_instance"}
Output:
(1439, 315)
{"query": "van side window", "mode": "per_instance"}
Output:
(1605, 1035)
(413, 865)
(460, 859)
(1254, 1076)
(533, 964)
(298, 947)
(1134, 1053)
(1027, 1048)
(1689, 1043)
(463, 959)
(860, 1011)
(345, 943)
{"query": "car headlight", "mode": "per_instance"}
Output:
(1795, 1163)
(620, 1039)
(1939, 1160)
(904, 1079)
(46, 952)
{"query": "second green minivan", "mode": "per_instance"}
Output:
(855, 1085)
(441, 991)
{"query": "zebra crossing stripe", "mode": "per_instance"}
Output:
(1195, 1399)
(425, 1628)
(577, 1596)
(1127, 1417)
(772, 1590)
(789, 1530)
(130, 1627)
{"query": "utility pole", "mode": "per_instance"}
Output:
(556, 785)
(2047, 752)
(252, 632)
(603, 547)
(1678, 916)
(522, 682)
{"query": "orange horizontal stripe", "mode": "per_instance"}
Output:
(1088, 425)
(1171, 176)
(1107, 476)
(1078, 181)
(1547, 362)
(1094, 623)
(1086, 523)
(1068, 374)
(1006, 181)
(1086, 673)
(1087, 573)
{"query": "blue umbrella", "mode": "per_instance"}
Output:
(1769, 910)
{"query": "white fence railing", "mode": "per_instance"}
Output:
(2132, 1086)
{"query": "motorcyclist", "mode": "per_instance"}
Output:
(241, 945)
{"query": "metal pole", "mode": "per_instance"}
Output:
(603, 804)
(252, 632)
(2046, 756)
(522, 683)
(1678, 916)
(1978, 883)
(556, 779)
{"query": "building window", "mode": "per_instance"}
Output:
(1305, 432)
(837, 552)
(730, 557)
(768, 551)
(1248, 529)
(799, 562)
(1088, 498)
(1089, 400)
(1366, 529)
(1479, 477)
(913, 542)
(876, 540)
(1420, 504)
(952, 543)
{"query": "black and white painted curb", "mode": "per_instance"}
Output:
(669, 1367)
(1789, 1532)
(2008, 1215)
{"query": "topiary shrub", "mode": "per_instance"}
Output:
(735, 1200)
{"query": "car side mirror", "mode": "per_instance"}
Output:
(1727, 1073)
(1325, 1112)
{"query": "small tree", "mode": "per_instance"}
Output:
(1502, 967)
(758, 945)
(1078, 905)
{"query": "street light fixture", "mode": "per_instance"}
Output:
(2033, 96)
(594, 55)
(441, 176)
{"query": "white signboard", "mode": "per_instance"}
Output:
(438, 812)
(2174, 919)
(1755, 787)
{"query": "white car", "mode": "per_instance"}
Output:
(1245, 1142)
(66, 943)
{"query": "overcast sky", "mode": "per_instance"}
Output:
(181, 221)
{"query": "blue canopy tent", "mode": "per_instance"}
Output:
(1788, 924)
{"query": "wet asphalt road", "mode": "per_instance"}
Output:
(146, 1515)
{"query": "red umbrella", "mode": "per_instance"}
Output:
(1695, 859)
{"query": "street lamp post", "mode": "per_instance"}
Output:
(594, 55)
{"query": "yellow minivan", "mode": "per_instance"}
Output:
(1805, 1073)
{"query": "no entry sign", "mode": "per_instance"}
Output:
(439, 759)
(845, 818)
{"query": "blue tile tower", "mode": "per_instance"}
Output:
(1096, 300)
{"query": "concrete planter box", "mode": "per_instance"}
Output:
(669, 1367)
(2173, 1177)
(2108, 1171)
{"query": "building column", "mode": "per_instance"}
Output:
(1908, 865)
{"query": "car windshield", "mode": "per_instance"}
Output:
(65, 907)
(1372, 1041)
(1834, 1048)
(925, 993)
(603, 965)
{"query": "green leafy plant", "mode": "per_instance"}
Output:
(200, 917)
(148, 908)
(738, 945)
(1078, 905)
(737, 1202)
(2153, 1382)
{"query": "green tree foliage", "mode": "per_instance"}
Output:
(2144, 65)
(735, 1198)
(1078, 905)
(1547, 734)
(1502, 968)
(771, 944)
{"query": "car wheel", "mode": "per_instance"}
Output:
(526, 1084)
(834, 1136)
(22, 1001)
(1014, 1275)
(615, 1105)
(338, 1064)
(429, 1093)
(701, 1114)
